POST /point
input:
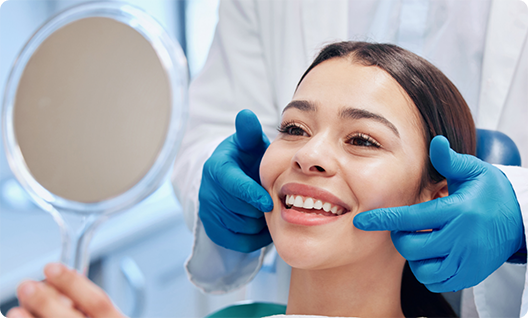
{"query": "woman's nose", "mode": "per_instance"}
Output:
(316, 157)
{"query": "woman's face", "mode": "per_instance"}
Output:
(350, 141)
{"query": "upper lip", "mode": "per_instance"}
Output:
(313, 192)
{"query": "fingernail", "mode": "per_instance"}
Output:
(27, 288)
(53, 270)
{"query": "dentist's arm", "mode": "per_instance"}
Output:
(476, 228)
(236, 75)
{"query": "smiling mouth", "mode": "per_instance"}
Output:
(312, 205)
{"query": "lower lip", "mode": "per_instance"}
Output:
(294, 216)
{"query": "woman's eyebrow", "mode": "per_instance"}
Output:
(355, 113)
(346, 113)
(303, 105)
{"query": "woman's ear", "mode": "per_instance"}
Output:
(439, 190)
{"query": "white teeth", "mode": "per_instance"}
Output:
(308, 203)
(290, 199)
(298, 202)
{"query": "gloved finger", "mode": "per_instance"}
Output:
(423, 216)
(434, 271)
(450, 164)
(458, 281)
(249, 135)
(239, 206)
(235, 182)
(451, 285)
(242, 208)
(465, 272)
(245, 243)
(226, 202)
(234, 222)
(242, 224)
(416, 246)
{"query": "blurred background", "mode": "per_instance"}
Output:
(137, 256)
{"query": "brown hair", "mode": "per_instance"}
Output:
(443, 111)
(442, 108)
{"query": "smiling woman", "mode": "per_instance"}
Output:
(354, 138)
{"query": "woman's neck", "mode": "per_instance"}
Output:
(358, 290)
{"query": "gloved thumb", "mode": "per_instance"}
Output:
(249, 134)
(449, 163)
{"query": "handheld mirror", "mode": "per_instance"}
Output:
(93, 114)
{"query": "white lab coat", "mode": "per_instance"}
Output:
(259, 53)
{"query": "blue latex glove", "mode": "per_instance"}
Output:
(231, 197)
(475, 229)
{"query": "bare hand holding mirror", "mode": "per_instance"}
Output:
(93, 115)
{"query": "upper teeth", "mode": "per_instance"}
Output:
(311, 203)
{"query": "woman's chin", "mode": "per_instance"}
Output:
(298, 263)
(304, 256)
(303, 247)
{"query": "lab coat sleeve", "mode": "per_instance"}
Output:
(235, 76)
(518, 177)
(503, 292)
(519, 180)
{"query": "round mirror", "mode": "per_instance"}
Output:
(94, 111)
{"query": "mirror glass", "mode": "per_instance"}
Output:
(93, 114)
(92, 110)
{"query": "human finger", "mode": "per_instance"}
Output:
(434, 271)
(86, 296)
(449, 163)
(451, 284)
(230, 177)
(231, 201)
(240, 207)
(245, 243)
(42, 300)
(19, 312)
(416, 246)
(249, 136)
(422, 216)
(231, 216)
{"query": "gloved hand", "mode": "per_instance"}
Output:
(475, 229)
(231, 198)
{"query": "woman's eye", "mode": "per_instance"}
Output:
(292, 129)
(296, 131)
(363, 140)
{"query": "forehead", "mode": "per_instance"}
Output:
(339, 82)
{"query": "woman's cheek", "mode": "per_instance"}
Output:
(267, 168)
